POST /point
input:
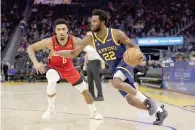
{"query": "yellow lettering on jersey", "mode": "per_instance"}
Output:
(103, 50)
(109, 56)
(110, 48)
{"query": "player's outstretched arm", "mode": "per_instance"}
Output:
(122, 38)
(36, 47)
(31, 52)
(79, 46)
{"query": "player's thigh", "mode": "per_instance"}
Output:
(121, 77)
(125, 74)
(72, 76)
(118, 78)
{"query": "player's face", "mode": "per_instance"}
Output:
(61, 31)
(95, 23)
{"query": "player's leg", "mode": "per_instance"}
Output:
(76, 80)
(90, 80)
(131, 99)
(82, 87)
(138, 99)
(52, 78)
(129, 89)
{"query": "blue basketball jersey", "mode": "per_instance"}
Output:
(112, 53)
(109, 50)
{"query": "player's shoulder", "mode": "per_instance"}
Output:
(117, 33)
(46, 40)
(49, 38)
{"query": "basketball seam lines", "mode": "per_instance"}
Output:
(136, 58)
(132, 56)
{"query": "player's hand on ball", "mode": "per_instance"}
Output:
(133, 56)
(40, 68)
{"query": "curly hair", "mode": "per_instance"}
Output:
(103, 15)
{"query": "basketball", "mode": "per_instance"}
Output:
(133, 56)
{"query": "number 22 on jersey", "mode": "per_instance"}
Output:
(109, 56)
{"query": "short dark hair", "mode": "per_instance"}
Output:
(60, 21)
(103, 15)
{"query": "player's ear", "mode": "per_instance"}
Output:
(67, 31)
(103, 22)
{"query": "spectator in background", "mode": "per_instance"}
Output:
(192, 56)
(179, 57)
(11, 73)
(22, 27)
(6, 66)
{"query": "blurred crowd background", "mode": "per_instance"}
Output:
(23, 23)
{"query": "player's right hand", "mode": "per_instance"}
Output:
(40, 68)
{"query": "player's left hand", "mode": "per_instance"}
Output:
(39, 67)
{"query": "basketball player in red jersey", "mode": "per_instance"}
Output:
(60, 67)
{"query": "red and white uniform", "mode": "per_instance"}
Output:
(64, 66)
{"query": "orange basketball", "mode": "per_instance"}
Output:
(133, 56)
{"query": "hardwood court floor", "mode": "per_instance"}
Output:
(22, 105)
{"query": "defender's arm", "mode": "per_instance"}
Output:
(36, 47)
(79, 46)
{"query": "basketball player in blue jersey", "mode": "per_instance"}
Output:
(110, 45)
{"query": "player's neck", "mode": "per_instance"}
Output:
(102, 33)
(62, 42)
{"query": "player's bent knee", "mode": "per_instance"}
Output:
(120, 75)
(81, 87)
(52, 75)
(52, 78)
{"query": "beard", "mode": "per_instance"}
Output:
(62, 38)
(96, 29)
